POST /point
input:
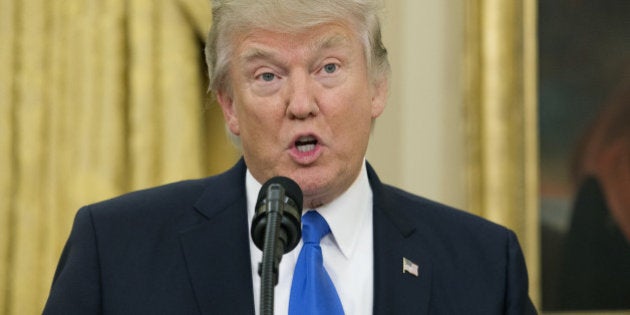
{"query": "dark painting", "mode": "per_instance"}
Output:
(584, 108)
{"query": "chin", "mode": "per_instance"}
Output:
(317, 191)
(309, 185)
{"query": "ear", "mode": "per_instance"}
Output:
(229, 111)
(379, 97)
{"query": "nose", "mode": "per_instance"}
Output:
(301, 101)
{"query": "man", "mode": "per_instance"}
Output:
(300, 84)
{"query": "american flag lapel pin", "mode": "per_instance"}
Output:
(410, 267)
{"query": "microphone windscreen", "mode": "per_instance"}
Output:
(291, 190)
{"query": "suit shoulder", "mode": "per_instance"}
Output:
(150, 213)
(458, 245)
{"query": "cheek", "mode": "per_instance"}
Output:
(259, 124)
(351, 121)
(354, 107)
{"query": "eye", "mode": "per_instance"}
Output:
(330, 68)
(267, 76)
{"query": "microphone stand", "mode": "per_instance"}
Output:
(273, 249)
(276, 229)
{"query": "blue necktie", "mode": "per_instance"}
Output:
(312, 291)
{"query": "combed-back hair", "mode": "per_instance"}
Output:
(231, 18)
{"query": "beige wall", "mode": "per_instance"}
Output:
(418, 143)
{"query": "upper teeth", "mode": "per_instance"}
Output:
(306, 139)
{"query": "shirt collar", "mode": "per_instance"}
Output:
(345, 215)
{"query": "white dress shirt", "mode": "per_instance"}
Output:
(348, 250)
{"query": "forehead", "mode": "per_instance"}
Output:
(263, 43)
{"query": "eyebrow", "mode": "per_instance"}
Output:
(331, 42)
(255, 53)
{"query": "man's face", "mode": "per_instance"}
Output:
(303, 106)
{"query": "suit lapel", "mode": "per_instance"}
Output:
(216, 250)
(395, 239)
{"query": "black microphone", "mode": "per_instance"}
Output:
(283, 195)
(276, 230)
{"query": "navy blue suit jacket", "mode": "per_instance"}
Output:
(183, 248)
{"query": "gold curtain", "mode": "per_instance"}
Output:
(502, 120)
(96, 98)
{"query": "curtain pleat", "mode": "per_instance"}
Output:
(27, 220)
(7, 156)
(502, 120)
(144, 106)
(97, 98)
(179, 86)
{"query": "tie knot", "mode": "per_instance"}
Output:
(314, 227)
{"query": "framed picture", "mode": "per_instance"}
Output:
(584, 145)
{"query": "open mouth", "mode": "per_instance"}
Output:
(306, 143)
